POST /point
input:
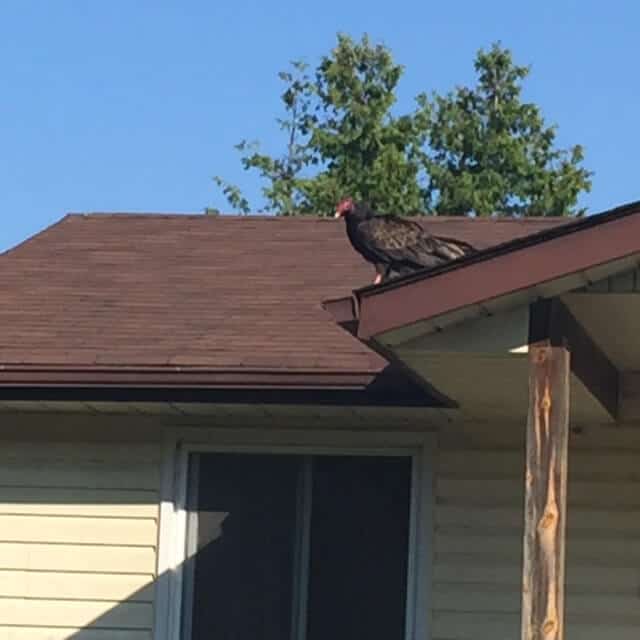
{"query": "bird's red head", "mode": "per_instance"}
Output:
(345, 207)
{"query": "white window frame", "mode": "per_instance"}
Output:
(180, 443)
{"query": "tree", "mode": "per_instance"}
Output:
(490, 152)
(473, 151)
(341, 138)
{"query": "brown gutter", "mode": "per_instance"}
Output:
(180, 377)
(499, 271)
(343, 311)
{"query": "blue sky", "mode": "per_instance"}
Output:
(132, 105)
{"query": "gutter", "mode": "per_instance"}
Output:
(180, 377)
(345, 312)
(385, 388)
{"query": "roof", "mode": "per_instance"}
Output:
(193, 299)
(607, 239)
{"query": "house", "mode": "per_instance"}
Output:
(212, 427)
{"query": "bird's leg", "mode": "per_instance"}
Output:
(381, 272)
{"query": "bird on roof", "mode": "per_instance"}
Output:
(394, 245)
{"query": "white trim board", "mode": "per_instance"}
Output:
(179, 443)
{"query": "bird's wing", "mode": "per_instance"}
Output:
(450, 248)
(390, 236)
(396, 240)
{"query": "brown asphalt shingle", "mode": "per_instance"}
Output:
(195, 291)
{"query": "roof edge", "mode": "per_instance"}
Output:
(181, 377)
(389, 387)
(36, 235)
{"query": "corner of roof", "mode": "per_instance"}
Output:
(38, 234)
(76, 214)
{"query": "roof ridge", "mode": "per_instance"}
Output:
(310, 217)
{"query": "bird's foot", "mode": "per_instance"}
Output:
(378, 279)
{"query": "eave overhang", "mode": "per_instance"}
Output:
(389, 387)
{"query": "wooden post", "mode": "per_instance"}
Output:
(545, 494)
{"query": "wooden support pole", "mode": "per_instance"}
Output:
(551, 322)
(545, 494)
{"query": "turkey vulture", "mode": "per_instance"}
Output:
(394, 245)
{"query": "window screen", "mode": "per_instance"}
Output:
(297, 547)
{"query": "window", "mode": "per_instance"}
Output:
(298, 547)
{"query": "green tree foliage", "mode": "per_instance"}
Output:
(478, 150)
(491, 152)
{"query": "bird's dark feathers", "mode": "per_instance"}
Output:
(397, 246)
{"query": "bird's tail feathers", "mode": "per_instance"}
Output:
(456, 248)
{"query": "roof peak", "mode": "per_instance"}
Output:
(301, 218)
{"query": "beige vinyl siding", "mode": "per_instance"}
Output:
(78, 537)
(78, 525)
(478, 537)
